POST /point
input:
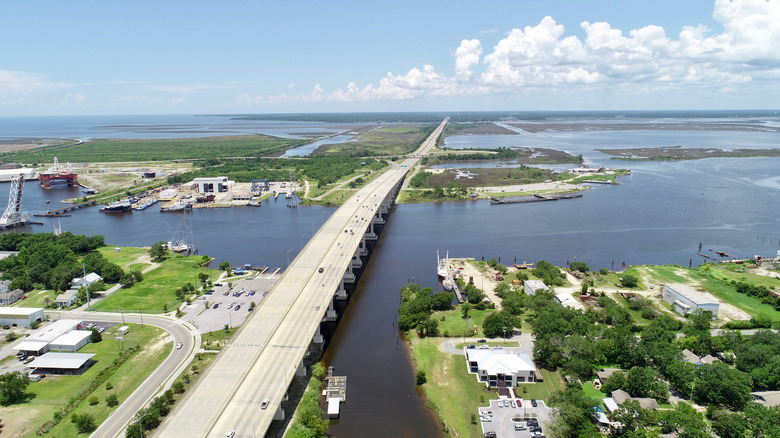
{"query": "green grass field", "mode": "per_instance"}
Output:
(36, 298)
(54, 392)
(125, 255)
(157, 288)
(454, 324)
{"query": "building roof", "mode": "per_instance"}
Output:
(69, 361)
(72, 338)
(708, 359)
(604, 375)
(690, 357)
(11, 312)
(90, 278)
(567, 300)
(767, 398)
(30, 345)
(647, 403)
(535, 284)
(610, 404)
(500, 361)
(66, 296)
(54, 330)
(692, 294)
(620, 396)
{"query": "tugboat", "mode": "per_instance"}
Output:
(441, 266)
(117, 207)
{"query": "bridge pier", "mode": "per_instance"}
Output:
(362, 248)
(301, 370)
(318, 338)
(341, 293)
(279, 414)
(356, 262)
(330, 314)
(370, 234)
(378, 219)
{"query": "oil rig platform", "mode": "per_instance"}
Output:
(59, 176)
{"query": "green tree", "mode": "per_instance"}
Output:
(498, 324)
(128, 280)
(421, 377)
(224, 265)
(573, 415)
(722, 385)
(95, 336)
(84, 422)
(629, 280)
(442, 301)
(112, 400)
(473, 294)
(579, 266)
(158, 252)
(513, 303)
(13, 388)
(464, 309)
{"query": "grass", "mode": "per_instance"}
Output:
(541, 390)
(53, 393)
(157, 289)
(454, 324)
(594, 393)
(36, 298)
(664, 274)
(158, 149)
(384, 140)
(727, 293)
(124, 256)
(214, 340)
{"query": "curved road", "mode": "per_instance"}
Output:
(160, 379)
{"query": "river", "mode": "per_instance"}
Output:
(658, 215)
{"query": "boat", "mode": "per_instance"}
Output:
(117, 207)
(441, 266)
(145, 203)
(447, 283)
(89, 190)
(254, 202)
(288, 195)
(205, 198)
(180, 205)
(178, 246)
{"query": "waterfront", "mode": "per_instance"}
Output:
(657, 216)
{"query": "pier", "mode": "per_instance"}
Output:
(534, 198)
(59, 211)
(335, 393)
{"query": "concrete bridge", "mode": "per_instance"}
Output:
(261, 360)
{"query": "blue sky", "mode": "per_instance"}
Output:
(143, 57)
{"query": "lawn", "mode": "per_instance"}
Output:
(541, 390)
(664, 274)
(727, 293)
(157, 289)
(36, 298)
(214, 340)
(124, 256)
(454, 324)
(594, 393)
(54, 392)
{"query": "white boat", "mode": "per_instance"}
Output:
(447, 283)
(180, 205)
(441, 266)
(178, 246)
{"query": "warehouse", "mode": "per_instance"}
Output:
(71, 341)
(684, 299)
(39, 342)
(533, 286)
(62, 363)
(20, 316)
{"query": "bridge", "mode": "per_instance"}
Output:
(267, 352)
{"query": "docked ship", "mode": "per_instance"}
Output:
(441, 266)
(117, 207)
(205, 198)
(89, 190)
(59, 176)
(178, 206)
(145, 203)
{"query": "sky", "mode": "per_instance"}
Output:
(228, 57)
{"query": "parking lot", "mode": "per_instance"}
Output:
(210, 312)
(504, 418)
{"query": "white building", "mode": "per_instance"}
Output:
(168, 194)
(533, 286)
(20, 316)
(71, 341)
(493, 366)
(684, 299)
(86, 281)
(67, 298)
(62, 363)
(567, 300)
(211, 185)
(39, 342)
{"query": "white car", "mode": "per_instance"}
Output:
(514, 405)
(179, 345)
(264, 404)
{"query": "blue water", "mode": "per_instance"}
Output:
(305, 150)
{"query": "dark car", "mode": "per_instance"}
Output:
(471, 347)
(535, 429)
(209, 292)
(533, 402)
(482, 341)
(489, 435)
(215, 306)
(251, 292)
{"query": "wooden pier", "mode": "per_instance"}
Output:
(59, 211)
(534, 198)
(335, 393)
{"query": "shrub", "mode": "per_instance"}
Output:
(112, 400)
(421, 378)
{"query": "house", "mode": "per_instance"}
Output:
(86, 281)
(690, 357)
(67, 298)
(567, 300)
(498, 367)
(5, 286)
(767, 398)
(533, 286)
(20, 316)
(9, 297)
(604, 375)
(684, 299)
(620, 396)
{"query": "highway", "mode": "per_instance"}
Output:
(161, 378)
(260, 361)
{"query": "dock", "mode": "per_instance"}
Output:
(456, 289)
(335, 393)
(534, 198)
(59, 211)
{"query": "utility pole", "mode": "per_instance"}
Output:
(86, 285)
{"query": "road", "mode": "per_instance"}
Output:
(262, 358)
(160, 379)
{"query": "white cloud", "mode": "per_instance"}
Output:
(189, 89)
(24, 87)
(466, 58)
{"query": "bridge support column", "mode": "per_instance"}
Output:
(378, 219)
(370, 235)
(301, 370)
(341, 293)
(318, 339)
(362, 249)
(279, 414)
(330, 314)
(356, 262)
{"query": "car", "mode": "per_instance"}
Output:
(179, 345)
(231, 434)
(215, 306)
(500, 403)
(519, 427)
(514, 404)
(230, 306)
(265, 403)
(535, 429)
(533, 402)
(519, 403)
(531, 423)
(490, 434)
(90, 325)
(101, 329)
(209, 292)
(251, 292)
(471, 347)
(225, 293)
(482, 341)
(483, 347)
(238, 306)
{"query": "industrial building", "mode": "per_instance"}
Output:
(533, 286)
(20, 316)
(39, 341)
(211, 185)
(567, 300)
(71, 341)
(684, 299)
(62, 363)
(499, 367)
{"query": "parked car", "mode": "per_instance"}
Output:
(230, 306)
(519, 427)
(514, 404)
(482, 341)
(215, 306)
(251, 292)
(231, 434)
(238, 306)
(533, 402)
(471, 347)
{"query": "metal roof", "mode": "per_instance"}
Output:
(70, 361)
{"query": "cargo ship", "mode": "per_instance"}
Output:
(117, 207)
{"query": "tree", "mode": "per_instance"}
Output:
(112, 400)
(722, 385)
(13, 388)
(573, 414)
(513, 303)
(224, 265)
(464, 309)
(629, 280)
(95, 336)
(474, 295)
(84, 422)
(421, 378)
(579, 266)
(158, 252)
(442, 301)
(632, 416)
(498, 324)
(128, 280)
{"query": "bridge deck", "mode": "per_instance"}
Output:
(262, 358)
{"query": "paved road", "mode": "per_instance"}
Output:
(261, 359)
(160, 379)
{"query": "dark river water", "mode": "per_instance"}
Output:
(659, 215)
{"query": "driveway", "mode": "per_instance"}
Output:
(526, 341)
